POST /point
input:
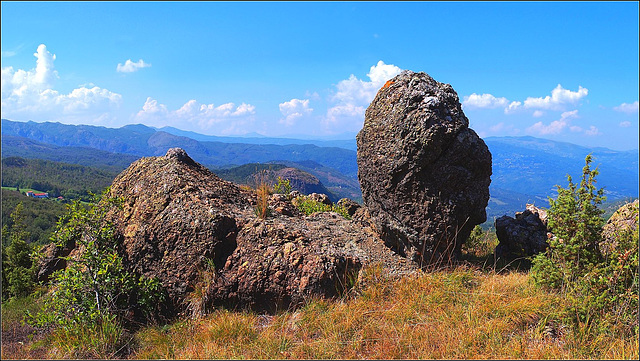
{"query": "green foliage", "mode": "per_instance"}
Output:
(308, 206)
(95, 290)
(283, 186)
(600, 290)
(18, 270)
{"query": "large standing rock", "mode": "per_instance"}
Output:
(176, 216)
(424, 173)
(522, 236)
(624, 220)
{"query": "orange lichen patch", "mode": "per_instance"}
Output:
(387, 84)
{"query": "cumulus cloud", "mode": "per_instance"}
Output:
(484, 101)
(130, 67)
(627, 108)
(293, 110)
(625, 124)
(30, 94)
(223, 119)
(558, 100)
(558, 126)
(555, 127)
(513, 106)
(353, 96)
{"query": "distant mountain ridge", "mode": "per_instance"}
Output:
(145, 141)
(525, 169)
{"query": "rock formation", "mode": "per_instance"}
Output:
(625, 219)
(176, 215)
(178, 219)
(522, 236)
(424, 173)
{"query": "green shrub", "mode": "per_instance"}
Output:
(95, 291)
(308, 206)
(283, 186)
(18, 270)
(600, 291)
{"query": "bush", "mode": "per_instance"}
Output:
(308, 206)
(95, 291)
(283, 186)
(600, 291)
(18, 270)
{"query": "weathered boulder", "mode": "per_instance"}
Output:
(176, 216)
(624, 220)
(280, 262)
(424, 173)
(321, 197)
(522, 236)
(280, 203)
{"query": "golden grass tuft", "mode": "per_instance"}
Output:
(464, 313)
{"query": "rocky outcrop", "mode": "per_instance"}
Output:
(424, 173)
(624, 220)
(176, 215)
(522, 236)
(180, 222)
(281, 262)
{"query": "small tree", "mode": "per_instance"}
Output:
(283, 186)
(17, 266)
(576, 222)
(597, 289)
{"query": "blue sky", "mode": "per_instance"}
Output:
(559, 70)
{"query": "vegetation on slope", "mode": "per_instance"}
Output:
(56, 178)
(40, 216)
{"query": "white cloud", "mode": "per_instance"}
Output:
(31, 95)
(222, 119)
(558, 126)
(353, 96)
(293, 110)
(592, 131)
(130, 67)
(484, 101)
(513, 106)
(627, 108)
(625, 124)
(559, 98)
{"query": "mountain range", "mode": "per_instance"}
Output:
(525, 169)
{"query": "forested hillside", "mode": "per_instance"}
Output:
(56, 178)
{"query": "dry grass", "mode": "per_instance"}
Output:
(458, 314)
(263, 191)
